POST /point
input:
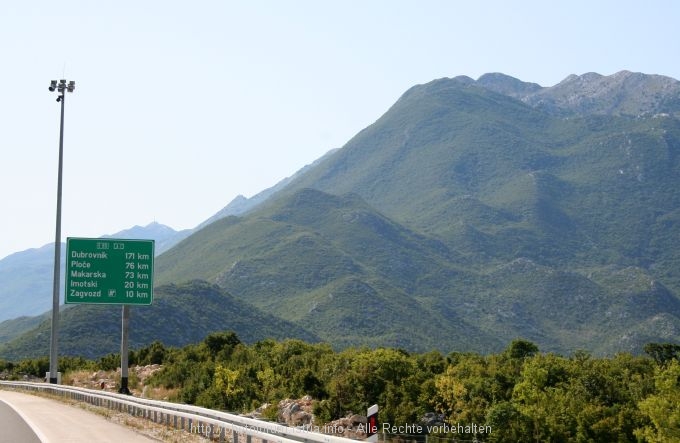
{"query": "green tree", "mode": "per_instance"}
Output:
(226, 381)
(36, 367)
(465, 390)
(521, 349)
(268, 381)
(539, 396)
(663, 407)
(507, 423)
(663, 352)
(153, 354)
(221, 342)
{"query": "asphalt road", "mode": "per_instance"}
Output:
(14, 428)
(26, 418)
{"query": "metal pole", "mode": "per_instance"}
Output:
(124, 351)
(54, 362)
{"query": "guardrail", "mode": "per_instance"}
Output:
(209, 423)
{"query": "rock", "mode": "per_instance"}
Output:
(301, 418)
(351, 426)
(357, 419)
(431, 419)
(296, 412)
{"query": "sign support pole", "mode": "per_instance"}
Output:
(124, 351)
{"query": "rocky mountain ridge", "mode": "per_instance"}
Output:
(622, 93)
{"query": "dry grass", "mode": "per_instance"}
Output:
(160, 393)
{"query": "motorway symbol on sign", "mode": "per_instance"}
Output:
(109, 271)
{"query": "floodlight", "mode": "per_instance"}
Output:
(62, 86)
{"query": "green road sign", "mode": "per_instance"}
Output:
(109, 271)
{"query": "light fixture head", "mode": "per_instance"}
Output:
(62, 86)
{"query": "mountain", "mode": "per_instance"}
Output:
(494, 177)
(11, 329)
(332, 264)
(624, 93)
(179, 315)
(26, 277)
(353, 276)
(579, 180)
(471, 213)
(241, 205)
(26, 282)
(164, 236)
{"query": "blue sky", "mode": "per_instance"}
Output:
(181, 106)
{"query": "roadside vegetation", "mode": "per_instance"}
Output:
(522, 394)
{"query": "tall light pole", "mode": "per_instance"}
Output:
(61, 87)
